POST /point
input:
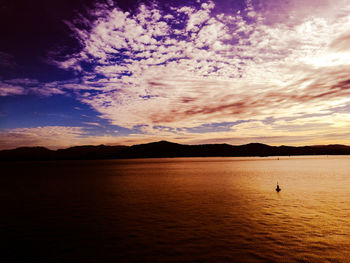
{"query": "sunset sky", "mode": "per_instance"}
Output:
(193, 72)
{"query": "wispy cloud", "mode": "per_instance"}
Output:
(29, 86)
(53, 137)
(305, 130)
(50, 136)
(8, 89)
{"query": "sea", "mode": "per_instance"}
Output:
(177, 210)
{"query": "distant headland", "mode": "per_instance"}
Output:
(166, 149)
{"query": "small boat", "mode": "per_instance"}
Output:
(278, 188)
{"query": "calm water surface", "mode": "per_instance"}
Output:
(177, 210)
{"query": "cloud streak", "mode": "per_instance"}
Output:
(27, 86)
(305, 130)
(53, 137)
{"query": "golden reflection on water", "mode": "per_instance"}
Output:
(178, 210)
(229, 207)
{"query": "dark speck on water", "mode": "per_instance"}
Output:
(176, 210)
(278, 188)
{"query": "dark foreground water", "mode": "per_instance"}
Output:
(177, 210)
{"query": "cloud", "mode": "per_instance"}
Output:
(341, 43)
(26, 86)
(203, 67)
(53, 137)
(326, 128)
(92, 123)
(8, 89)
(169, 69)
(293, 11)
(50, 136)
(310, 130)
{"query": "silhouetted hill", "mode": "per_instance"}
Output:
(167, 149)
(86, 152)
(89, 152)
(27, 153)
(156, 149)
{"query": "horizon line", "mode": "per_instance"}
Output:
(165, 141)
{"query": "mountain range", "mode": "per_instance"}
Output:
(166, 149)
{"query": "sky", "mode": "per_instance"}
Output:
(193, 72)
